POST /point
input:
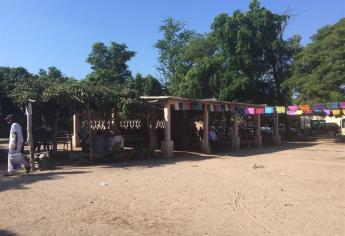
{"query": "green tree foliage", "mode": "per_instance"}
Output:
(244, 57)
(257, 59)
(109, 64)
(147, 86)
(175, 39)
(319, 70)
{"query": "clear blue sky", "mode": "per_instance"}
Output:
(41, 33)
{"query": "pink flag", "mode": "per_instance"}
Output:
(250, 111)
(342, 104)
(293, 108)
(291, 113)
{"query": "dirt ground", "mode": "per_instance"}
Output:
(297, 189)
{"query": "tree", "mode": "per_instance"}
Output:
(255, 52)
(109, 64)
(175, 39)
(319, 70)
(147, 86)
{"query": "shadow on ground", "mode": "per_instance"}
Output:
(181, 156)
(20, 181)
(7, 233)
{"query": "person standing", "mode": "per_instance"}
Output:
(15, 145)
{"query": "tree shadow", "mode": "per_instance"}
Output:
(20, 181)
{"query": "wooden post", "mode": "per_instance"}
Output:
(90, 131)
(167, 145)
(276, 137)
(205, 144)
(235, 139)
(29, 134)
(258, 139)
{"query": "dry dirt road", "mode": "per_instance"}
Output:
(298, 189)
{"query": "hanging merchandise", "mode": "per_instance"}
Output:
(280, 109)
(259, 110)
(299, 112)
(336, 112)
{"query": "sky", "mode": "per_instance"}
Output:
(37, 34)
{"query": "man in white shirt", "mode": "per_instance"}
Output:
(115, 139)
(15, 157)
(213, 138)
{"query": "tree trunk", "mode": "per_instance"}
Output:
(55, 131)
(90, 132)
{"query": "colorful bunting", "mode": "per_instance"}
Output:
(250, 111)
(318, 107)
(259, 110)
(336, 112)
(305, 109)
(331, 108)
(280, 109)
(327, 112)
(269, 110)
(332, 105)
(293, 108)
(342, 105)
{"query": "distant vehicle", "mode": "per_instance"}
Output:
(331, 129)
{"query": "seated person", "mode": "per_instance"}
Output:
(213, 137)
(84, 138)
(99, 143)
(115, 141)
